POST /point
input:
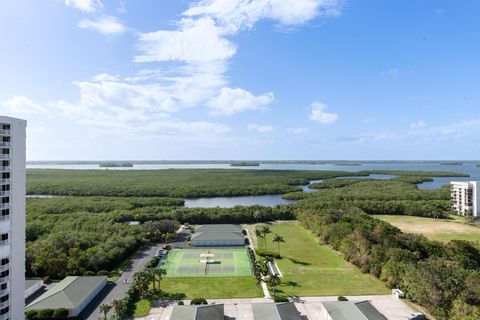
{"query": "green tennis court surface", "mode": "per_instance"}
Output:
(207, 262)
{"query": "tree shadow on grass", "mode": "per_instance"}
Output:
(159, 295)
(291, 283)
(296, 261)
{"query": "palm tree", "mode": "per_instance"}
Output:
(273, 281)
(141, 280)
(159, 272)
(151, 273)
(278, 239)
(119, 308)
(105, 309)
(265, 230)
(259, 234)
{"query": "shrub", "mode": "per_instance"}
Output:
(46, 280)
(180, 303)
(342, 298)
(30, 314)
(280, 299)
(89, 273)
(247, 242)
(266, 253)
(45, 314)
(103, 273)
(60, 313)
(153, 262)
(167, 247)
(198, 301)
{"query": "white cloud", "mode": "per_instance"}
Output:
(234, 100)
(200, 43)
(253, 127)
(22, 105)
(107, 25)
(297, 130)
(465, 131)
(234, 15)
(319, 114)
(84, 5)
(112, 107)
(195, 41)
(418, 124)
(105, 77)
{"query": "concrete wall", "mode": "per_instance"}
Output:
(75, 312)
(33, 289)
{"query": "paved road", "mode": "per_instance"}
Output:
(118, 289)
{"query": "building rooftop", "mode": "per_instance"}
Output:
(68, 293)
(218, 228)
(217, 236)
(348, 310)
(275, 311)
(198, 312)
(31, 282)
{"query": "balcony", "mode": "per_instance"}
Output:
(4, 267)
(5, 205)
(5, 144)
(2, 281)
(4, 168)
(4, 292)
(4, 243)
(4, 156)
(4, 304)
(5, 193)
(5, 131)
(4, 218)
(5, 181)
(5, 316)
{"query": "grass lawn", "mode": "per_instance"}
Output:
(440, 230)
(311, 269)
(210, 287)
(142, 308)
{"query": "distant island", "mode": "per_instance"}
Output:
(452, 163)
(245, 164)
(116, 164)
(353, 164)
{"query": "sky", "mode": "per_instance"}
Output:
(243, 79)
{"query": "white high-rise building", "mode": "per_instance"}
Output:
(12, 218)
(465, 196)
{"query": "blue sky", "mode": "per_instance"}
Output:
(242, 79)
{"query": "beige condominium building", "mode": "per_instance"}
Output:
(12, 218)
(465, 196)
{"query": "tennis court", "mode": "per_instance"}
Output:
(207, 262)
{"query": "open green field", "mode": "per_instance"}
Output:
(440, 230)
(189, 263)
(210, 287)
(311, 269)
